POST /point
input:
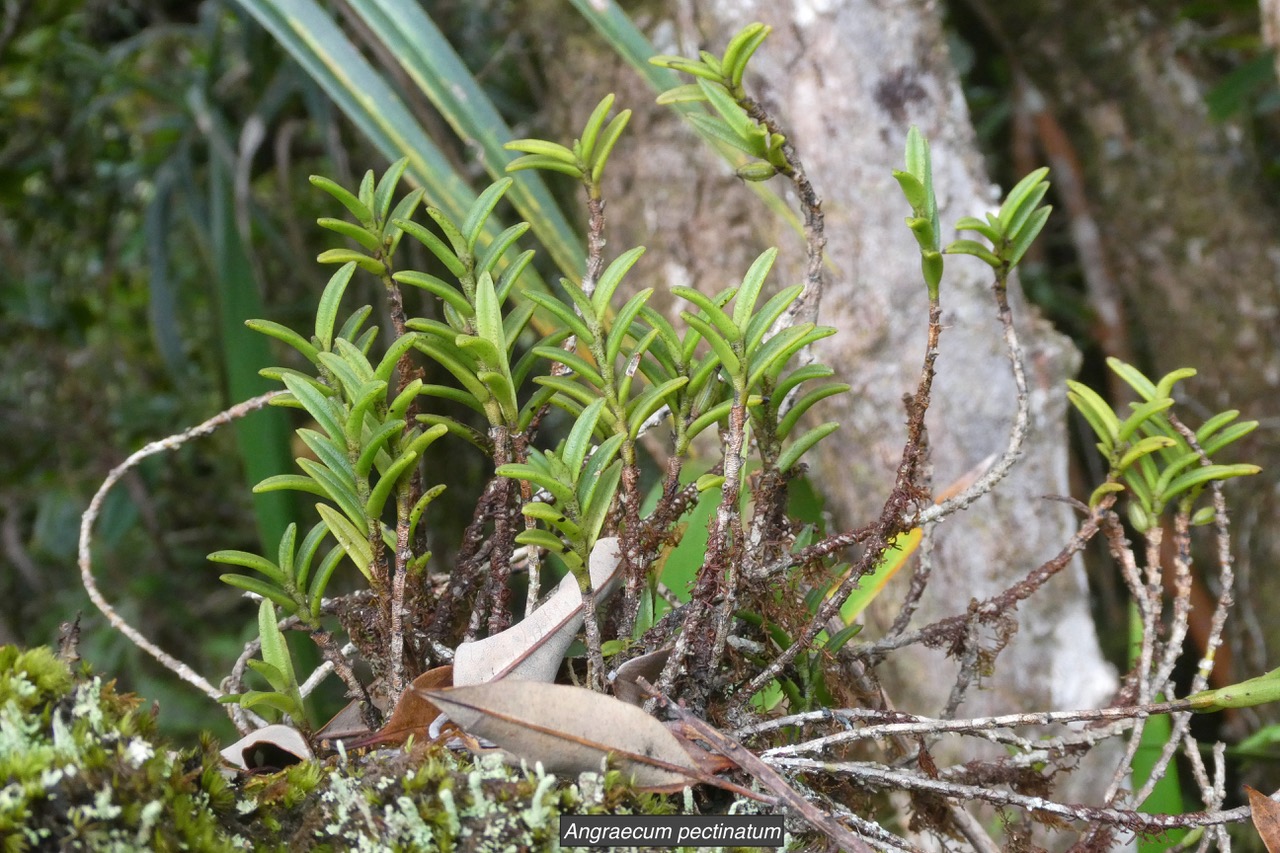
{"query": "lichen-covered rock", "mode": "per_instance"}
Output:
(86, 771)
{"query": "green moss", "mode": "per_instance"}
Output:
(84, 770)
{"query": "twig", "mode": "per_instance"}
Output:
(878, 776)
(765, 775)
(1017, 433)
(173, 442)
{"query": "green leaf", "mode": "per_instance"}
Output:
(913, 189)
(295, 482)
(579, 440)
(649, 402)
(744, 304)
(712, 311)
(543, 148)
(1096, 411)
(330, 299)
(352, 541)
(973, 247)
(607, 141)
(1102, 491)
(361, 212)
(1144, 447)
(612, 277)
(275, 652)
(285, 334)
(478, 215)
(562, 492)
(252, 561)
(591, 132)
(1208, 473)
(687, 66)
(316, 405)
(788, 421)
(766, 317)
(434, 245)
(1143, 412)
(1134, 377)
(489, 261)
(723, 349)
(327, 451)
(690, 93)
(553, 517)
(539, 161)
(1232, 433)
(1028, 235)
(1018, 196)
(359, 234)
(801, 446)
(343, 256)
(740, 50)
(259, 587)
(563, 314)
(378, 497)
(437, 287)
(387, 187)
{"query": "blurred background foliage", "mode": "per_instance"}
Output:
(154, 157)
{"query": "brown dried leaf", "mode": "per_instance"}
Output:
(1266, 818)
(344, 725)
(268, 749)
(648, 667)
(412, 715)
(533, 648)
(570, 730)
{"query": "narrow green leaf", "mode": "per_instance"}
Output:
(1028, 235)
(437, 287)
(387, 187)
(259, 587)
(612, 277)
(330, 300)
(285, 334)
(744, 304)
(294, 482)
(352, 541)
(360, 211)
(343, 256)
(802, 445)
(579, 440)
(478, 215)
(608, 140)
(247, 560)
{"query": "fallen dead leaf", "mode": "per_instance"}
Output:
(413, 714)
(1266, 818)
(647, 666)
(268, 749)
(570, 730)
(533, 648)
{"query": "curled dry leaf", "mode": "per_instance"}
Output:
(570, 730)
(647, 666)
(412, 715)
(268, 749)
(533, 648)
(1266, 818)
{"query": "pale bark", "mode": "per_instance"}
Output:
(848, 79)
(1188, 232)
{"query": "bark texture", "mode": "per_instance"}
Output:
(1187, 231)
(847, 79)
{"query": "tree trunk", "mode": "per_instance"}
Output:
(1187, 230)
(847, 80)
